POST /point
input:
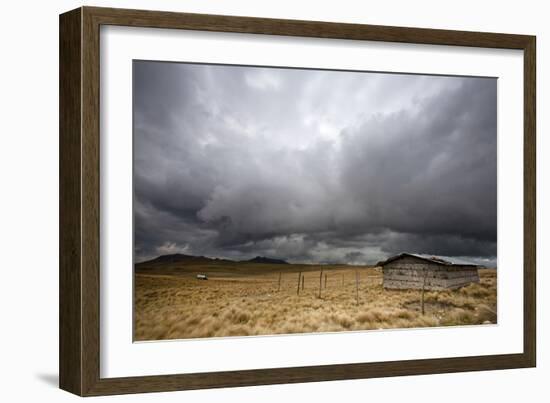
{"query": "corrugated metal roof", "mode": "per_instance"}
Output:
(445, 261)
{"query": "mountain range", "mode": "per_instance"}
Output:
(182, 258)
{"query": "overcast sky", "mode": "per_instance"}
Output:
(312, 166)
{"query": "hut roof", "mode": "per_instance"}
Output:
(429, 258)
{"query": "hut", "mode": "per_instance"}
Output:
(407, 270)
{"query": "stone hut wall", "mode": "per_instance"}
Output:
(408, 273)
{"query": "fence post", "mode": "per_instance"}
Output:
(320, 282)
(303, 282)
(357, 286)
(423, 289)
(279, 287)
(299, 279)
(325, 280)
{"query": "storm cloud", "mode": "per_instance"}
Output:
(312, 166)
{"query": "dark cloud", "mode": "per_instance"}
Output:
(312, 166)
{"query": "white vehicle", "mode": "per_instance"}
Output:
(202, 277)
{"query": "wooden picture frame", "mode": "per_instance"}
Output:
(79, 348)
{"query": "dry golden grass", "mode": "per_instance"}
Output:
(179, 306)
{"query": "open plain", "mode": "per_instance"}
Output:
(242, 299)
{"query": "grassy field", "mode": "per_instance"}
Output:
(244, 299)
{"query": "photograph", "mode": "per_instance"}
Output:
(275, 200)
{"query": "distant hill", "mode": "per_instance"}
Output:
(184, 259)
(180, 258)
(267, 260)
(174, 258)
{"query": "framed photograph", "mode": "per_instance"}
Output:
(249, 201)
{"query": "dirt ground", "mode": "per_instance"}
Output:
(179, 306)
